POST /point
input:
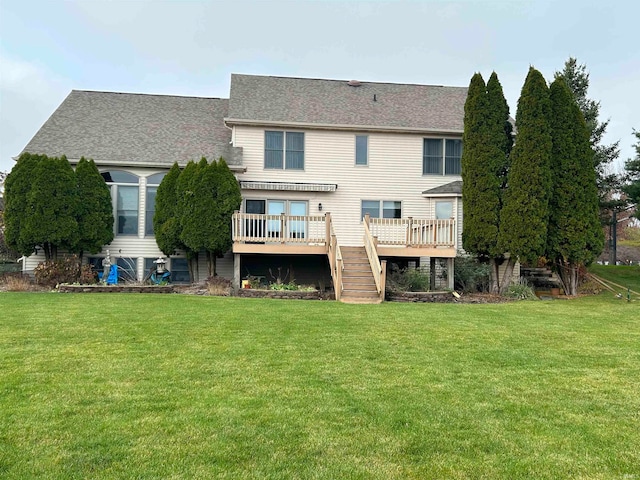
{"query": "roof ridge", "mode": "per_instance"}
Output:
(148, 94)
(344, 81)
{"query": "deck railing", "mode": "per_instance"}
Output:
(414, 232)
(335, 260)
(378, 268)
(259, 228)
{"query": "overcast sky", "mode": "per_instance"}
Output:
(49, 47)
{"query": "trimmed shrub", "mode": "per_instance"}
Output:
(53, 272)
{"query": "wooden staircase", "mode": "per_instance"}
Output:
(357, 278)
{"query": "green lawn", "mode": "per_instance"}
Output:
(168, 386)
(625, 275)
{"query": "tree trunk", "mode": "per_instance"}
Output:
(495, 275)
(568, 272)
(192, 258)
(210, 260)
(508, 273)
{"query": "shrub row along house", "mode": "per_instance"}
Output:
(337, 177)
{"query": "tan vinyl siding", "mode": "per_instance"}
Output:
(394, 173)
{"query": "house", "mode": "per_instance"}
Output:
(337, 177)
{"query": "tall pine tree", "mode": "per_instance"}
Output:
(95, 211)
(525, 214)
(574, 233)
(228, 200)
(186, 194)
(487, 142)
(603, 156)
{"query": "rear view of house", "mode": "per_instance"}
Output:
(337, 177)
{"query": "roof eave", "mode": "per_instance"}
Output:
(118, 163)
(334, 126)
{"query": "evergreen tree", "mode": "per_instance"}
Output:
(17, 187)
(487, 142)
(52, 207)
(525, 214)
(228, 200)
(95, 211)
(603, 156)
(166, 221)
(574, 234)
(632, 185)
(188, 221)
(199, 222)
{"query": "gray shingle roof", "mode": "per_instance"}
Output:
(333, 102)
(135, 129)
(453, 188)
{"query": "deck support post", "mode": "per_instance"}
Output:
(327, 225)
(236, 271)
(450, 273)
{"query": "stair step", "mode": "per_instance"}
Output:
(359, 286)
(360, 293)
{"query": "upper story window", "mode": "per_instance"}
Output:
(124, 189)
(442, 156)
(362, 149)
(388, 208)
(150, 204)
(284, 150)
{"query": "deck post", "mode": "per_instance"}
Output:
(409, 227)
(367, 218)
(383, 279)
(234, 226)
(450, 273)
(432, 273)
(236, 271)
(282, 224)
(327, 226)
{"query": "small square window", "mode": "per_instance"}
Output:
(372, 207)
(391, 209)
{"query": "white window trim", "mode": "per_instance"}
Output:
(355, 151)
(284, 150)
(443, 141)
(381, 207)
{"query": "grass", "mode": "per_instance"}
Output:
(144, 386)
(625, 275)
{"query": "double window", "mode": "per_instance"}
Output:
(124, 189)
(382, 208)
(442, 156)
(284, 150)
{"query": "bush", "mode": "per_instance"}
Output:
(54, 272)
(470, 275)
(521, 291)
(16, 282)
(218, 286)
(88, 275)
(407, 279)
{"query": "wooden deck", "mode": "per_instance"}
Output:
(311, 235)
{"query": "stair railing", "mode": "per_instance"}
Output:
(378, 268)
(334, 253)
